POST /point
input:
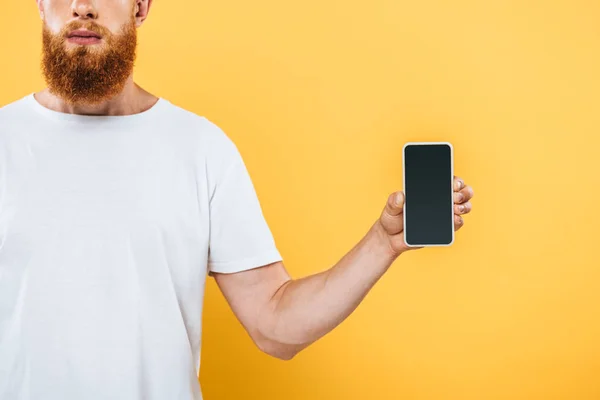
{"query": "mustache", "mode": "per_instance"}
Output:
(90, 26)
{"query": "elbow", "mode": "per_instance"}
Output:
(283, 355)
(278, 350)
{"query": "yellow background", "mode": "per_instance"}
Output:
(320, 96)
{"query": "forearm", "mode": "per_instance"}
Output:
(304, 310)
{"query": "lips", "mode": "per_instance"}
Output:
(80, 33)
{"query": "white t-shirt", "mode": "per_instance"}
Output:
(109, 226)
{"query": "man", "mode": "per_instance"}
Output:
(114, 207)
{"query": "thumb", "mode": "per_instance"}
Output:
(395, 204)
(391, 217)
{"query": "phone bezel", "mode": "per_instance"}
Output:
(451, 189)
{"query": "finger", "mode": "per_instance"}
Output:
(458, 222)
(463, 195)
(464, 208)
(458, 183)
(392, 224)
(395, 204)
(392, 218)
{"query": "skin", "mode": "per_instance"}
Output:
(282, 315)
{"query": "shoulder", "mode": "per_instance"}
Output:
(15, 117)
(14, 109)
(219, 152)
(213, 138)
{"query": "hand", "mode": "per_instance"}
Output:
(391, 222)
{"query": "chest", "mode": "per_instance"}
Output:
(85, 184)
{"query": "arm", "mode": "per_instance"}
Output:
(284, 315)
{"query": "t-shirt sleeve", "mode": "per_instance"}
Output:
(240, 238)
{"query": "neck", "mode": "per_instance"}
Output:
(132, 100)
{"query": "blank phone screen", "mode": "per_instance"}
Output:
(428, 187)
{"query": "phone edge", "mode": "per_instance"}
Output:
(451, 191)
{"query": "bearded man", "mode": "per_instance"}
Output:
(115, 207)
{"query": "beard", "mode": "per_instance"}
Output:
(88, 74)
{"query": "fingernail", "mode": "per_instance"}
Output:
(461, 208)
(398, 198)
(460, 197)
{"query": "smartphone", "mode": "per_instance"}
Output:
(428, 170)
